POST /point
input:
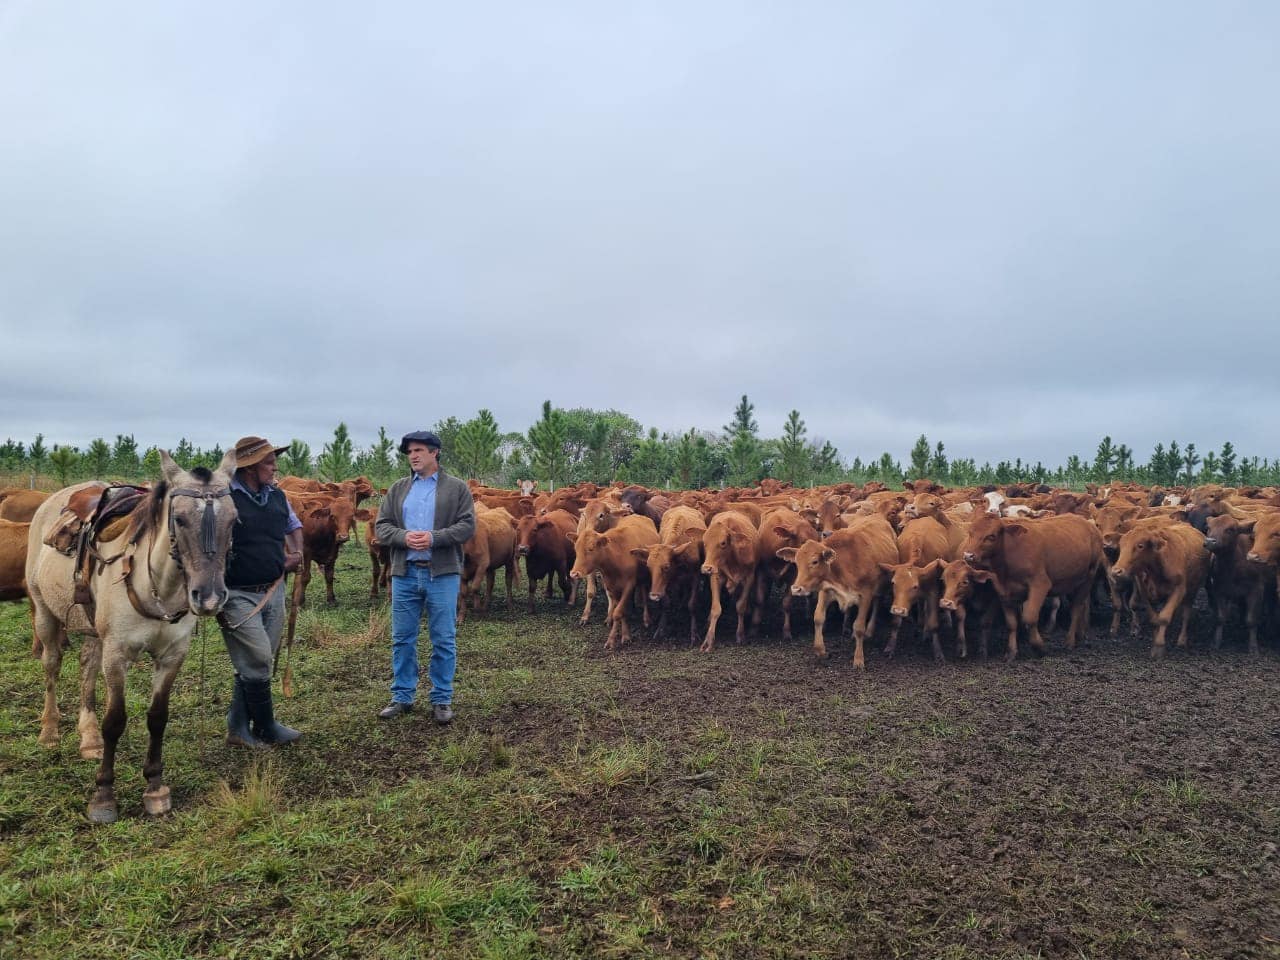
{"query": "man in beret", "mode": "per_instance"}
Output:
(424, 520)
(266, 544)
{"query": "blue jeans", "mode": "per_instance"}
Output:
(409, 594)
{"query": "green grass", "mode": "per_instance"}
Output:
(652, 803)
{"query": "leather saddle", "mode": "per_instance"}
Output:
(93, 515)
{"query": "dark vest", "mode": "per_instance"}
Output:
(257, 544)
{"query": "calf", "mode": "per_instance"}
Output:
(914, 579)
(379, 560)
(674, 563)
(844, 568)
(612, 555)
(1169, 562)
(1232, 578)
(781, 528)
(729, 549)
(968, 591)
(19, 505)
(1029, 560)
(493, 545)
(546, 545)
(599, 514)
(326, 526)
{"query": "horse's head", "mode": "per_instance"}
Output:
(200, 515)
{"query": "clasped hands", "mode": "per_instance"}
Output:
(418, 539)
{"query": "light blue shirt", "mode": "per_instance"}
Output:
(420, 510)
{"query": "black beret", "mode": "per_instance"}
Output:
(420, 436)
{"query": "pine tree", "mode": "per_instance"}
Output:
(98, 458)
(1104, 460)
(939, 469)
(1210, 470)
(337, 460)
(63, 460)
(1227, 463)
(183, 454)
(793, 451)
(476, 446)
(296, 461)
(546, 440)
(1190, 460)
(600, 458)
(382, 454)
(920, 458)
(37, 454)
(743, 419)
(124, 456)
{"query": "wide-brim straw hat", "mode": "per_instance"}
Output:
(251, 450)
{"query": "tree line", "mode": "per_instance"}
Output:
(572, 445)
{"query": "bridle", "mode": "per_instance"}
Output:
(208, 545)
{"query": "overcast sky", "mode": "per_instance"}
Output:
(1013, 227)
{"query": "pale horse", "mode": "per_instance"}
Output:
(149, 586)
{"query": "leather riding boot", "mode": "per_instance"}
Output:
(257, 696)
(238, 732)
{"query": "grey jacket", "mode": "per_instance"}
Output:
(455, 524)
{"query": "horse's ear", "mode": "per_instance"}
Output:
(228, 464)
(170, 469)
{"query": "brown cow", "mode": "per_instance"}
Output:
(19, 504)
(729, 550)
(921, 545)
(546, 545)
(611, 554)
(1232, 577)
(1027, 560)
(493, 545)
(327, 523)
(1266, 541)
(962, 595)
(599, 514)
(379, 559)
(845, 568)
(1169, 562)
(780, 528)
(673, 563)
(13, 559)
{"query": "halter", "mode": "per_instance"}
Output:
(208, 544)
(208, 534)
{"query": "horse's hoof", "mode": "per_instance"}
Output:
(156, 802)
(91, 753)
(49, 741)
(102, 812)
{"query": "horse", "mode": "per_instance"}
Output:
(149, 586)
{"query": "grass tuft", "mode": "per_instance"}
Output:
(254, 804)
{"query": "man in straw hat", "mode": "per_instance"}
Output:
(266, 544)
(425, 518)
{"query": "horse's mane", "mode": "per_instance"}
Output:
(148, 514)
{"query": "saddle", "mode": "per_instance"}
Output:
(93, 515)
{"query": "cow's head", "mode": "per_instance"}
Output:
(813, 566)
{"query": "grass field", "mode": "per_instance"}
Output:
(655, 802)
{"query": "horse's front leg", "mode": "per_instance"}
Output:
(102, 808)
(155, 799)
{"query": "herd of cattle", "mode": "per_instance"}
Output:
(926, 553)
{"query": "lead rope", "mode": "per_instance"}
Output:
(203, 727)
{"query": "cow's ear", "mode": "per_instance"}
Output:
(786, 554)
(1016, 530)
(827, 555)
(1179, 515)
(981, 576)
(640, 553)
(572, 538)
(780, 531)
(322, 512)
(363, 515)
(887, 568)
(930, 568)
(688, 551)
(909, 485)
(1247, 526)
